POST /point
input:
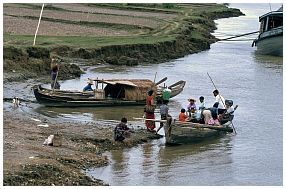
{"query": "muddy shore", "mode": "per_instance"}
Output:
(28, 162)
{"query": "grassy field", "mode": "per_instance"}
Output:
(97, 25)
(83, 42)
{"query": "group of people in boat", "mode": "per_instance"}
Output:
(220, 113)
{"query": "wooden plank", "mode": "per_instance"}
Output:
(155, 120)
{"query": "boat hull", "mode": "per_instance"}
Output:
(187, 132)
(272, 45)
(176, 89)
(48, 98)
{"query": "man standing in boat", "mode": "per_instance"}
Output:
(219, 99)
(54, 75)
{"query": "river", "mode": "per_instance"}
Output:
(252, 157)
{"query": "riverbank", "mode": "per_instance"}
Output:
(137, 34)
(28, 162)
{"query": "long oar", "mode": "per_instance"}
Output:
(222, 101)
(161, 81)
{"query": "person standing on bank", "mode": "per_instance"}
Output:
(54, 75)
(164, 111)
(149, 111)
(219, 99)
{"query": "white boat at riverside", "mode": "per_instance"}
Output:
(270, 38)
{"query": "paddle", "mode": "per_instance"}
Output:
(161, 81)
(222, 101)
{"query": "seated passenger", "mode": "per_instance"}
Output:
(202, 103)
(183, 116)
(191, 107)
(211, 115)
(229, 112)
(88, 86)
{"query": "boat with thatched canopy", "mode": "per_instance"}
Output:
(177, 132)
(112, 92)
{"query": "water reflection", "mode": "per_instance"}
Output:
(92, 114)
(120, 162)
(269, 61)
(155, 163)
(102, 113)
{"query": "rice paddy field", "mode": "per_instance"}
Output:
(121, 23)
(82, 20)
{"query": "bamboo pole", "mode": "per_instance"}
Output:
(155, 120)
(222, 101)
(38, 24)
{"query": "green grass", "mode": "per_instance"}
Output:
(80, 41)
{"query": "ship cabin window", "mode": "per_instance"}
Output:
(262, 25)
(274, 22)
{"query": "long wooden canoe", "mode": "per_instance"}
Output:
(177, 132)
(175, 88)
(79, 99)
(115, 92)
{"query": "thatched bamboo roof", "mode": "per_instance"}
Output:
(140, 83)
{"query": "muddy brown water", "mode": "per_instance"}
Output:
(254, 82)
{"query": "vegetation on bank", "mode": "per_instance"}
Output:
(150, 33)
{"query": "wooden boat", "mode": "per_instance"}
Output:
(177, 132)
(116, 92)
(270, 39)
(175, 88)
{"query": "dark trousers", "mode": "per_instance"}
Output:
(220, 111)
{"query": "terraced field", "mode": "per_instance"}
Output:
(80, 25)
(23, 26)
(81, 19)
